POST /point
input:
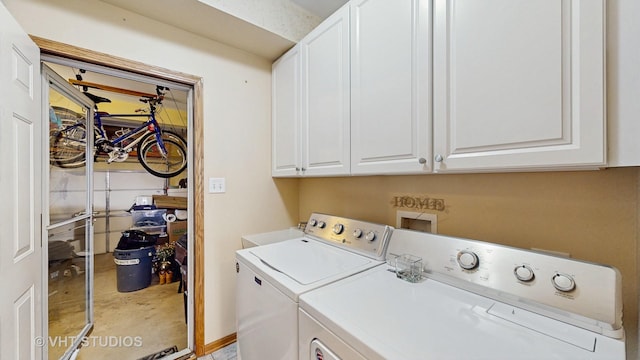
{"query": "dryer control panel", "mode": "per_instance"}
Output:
(366, 238)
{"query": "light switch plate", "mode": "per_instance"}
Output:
(217, 185)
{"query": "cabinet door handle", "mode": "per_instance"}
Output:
(422, 161)
(438, 158)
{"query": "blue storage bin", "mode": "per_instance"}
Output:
(133, 268)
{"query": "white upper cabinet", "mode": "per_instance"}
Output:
(623, 82)
(286, 114)
(519, 84)
(325, 97)
(421, 86)
(390, 86)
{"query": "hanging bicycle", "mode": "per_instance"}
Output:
(162, 153)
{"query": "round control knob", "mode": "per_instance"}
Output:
(563, 282)
(321, 224)
(467, 260)
(313, 222)
(338, 229)
(370, 236)
(523, 273)
(357, 233)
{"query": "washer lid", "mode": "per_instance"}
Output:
(308, 261)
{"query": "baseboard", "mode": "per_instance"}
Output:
(220, 343)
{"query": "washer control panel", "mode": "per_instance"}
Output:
(517, 275)
(369, 239)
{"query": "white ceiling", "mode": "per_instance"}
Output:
(207, 21)
(211, 23)
(322, 8)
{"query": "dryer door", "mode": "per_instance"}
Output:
(316, 342)
(320, 352)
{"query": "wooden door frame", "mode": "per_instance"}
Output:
(51, 47)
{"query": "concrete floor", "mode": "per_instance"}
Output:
(127, 325)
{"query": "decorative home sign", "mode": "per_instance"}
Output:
(417, 202)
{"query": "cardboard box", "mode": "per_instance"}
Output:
(176, 229)
(170, 202)
(162, 239)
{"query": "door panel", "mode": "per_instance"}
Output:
(68, 284)
(390, 86)
(483, 57)
(325, 97)
(25, 312)
(518, 84)
(20, 191)
(68, 187)
(23, 133)
(69, 224)
(286, 114)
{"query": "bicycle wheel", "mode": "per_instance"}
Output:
(162, 165)
(68, 146)
(166, 135)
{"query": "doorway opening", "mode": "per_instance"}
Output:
(109, 200)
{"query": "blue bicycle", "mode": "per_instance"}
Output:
(161, 153)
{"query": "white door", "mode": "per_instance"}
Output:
(325, 97)
(519, 84)
(20, 186)
(285, 128)
(390, 86)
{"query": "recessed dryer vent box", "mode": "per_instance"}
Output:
(417, 221)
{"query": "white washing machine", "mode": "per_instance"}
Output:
(476, 301)
(272, 277)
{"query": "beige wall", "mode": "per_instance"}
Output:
(237, 108)
(592, 215)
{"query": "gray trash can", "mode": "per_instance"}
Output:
(133, 268)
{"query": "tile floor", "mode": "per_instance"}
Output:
(226, 353)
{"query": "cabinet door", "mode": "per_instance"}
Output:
(285, 115)
(325, 97)
(519, 84)
(391, 86)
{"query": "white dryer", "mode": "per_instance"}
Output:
(476, 301)
(272, 277)
(270, 237)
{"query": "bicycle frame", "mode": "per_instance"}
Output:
(151, 125)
